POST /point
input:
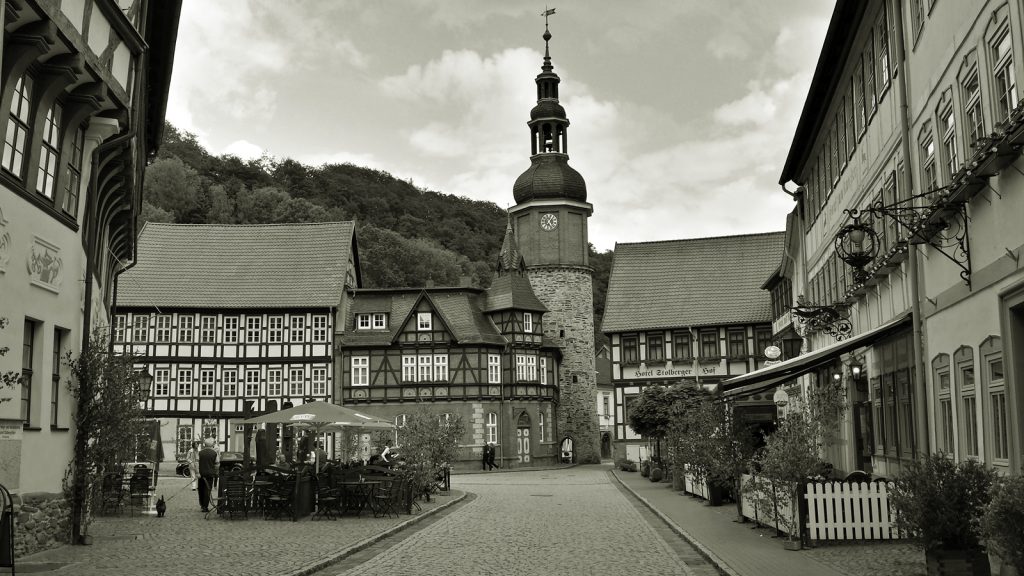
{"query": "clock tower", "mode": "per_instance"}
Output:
(550, 217)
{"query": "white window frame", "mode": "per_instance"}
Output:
(409, 368)
(527, 322)
(360, 371)
(163, 328)
(275, 329)
(424, 363)
(1004, 78)
(207, 382)
(297, 331)
(520, 367)
(229, 382)
(440, 368)
(296, 382)
(252, 383)
(494, 369)
(544, 371)
(319, 385)
(320, 328)
(424, 321)
(531, 367)
(120, 321)
(140, 328)
(380, 321)
(253, 325)
(186, 329)
(207, 329)
(275, 382)
(492, 427)
(162, 382)
(540, 426)
(949, 145)
(231, 329)
(363, 321)
(185, 379)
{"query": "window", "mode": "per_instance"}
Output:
(207, 384)
(540, 426)
(762, 340)
(73, 175)
(859, 111)
(208, 329)
(973, 119)
(423, 321)
(630, 350)
(1005, 79)
(140, 328)
(252, 383)
(185, 437)
(319, 382)
(544, 371)
(408, 368)
(363, 321)
(681, 346)
(231, 329)
(18, 128)
(119, 327)
(184, 382)
(917, 16)
(298, 329)
(296, 379)
(527, 322)
(531, 367)
(426, 369)
(49, 152)
(320, 329)
(841, 135)
(55, 381)
(709, 345)
(274, 384)
(949, 141)
(944, 426)
(964, 359)
(162, 382)
(520, 367)
(440, 368)
(275, 329)
(998, 423)
(884, 64)
(361, 370)
(163, 328)
(186, 326)
(869, 78)
(229, 382)
(655, 347)
(380, 321)
(930, 180)
(737, 343)
(493, 369)
(252, 329)
(492, 427)
(27, 365)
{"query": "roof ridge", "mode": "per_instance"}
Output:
(617, 244)
(267, 225)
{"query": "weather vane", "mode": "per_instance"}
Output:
(547, 12)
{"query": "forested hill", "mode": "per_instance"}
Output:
(407, 236)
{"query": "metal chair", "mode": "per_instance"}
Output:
(328, 498)
(236, 496)
(280, 498)
(140, 489)
(112, 493)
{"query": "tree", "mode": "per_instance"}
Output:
(295, 210)
(11, 378)
(660, 407)
(429, 441)
(152, 213)
(390, 260)
(174, 187)
(258, 206)
(108, 422)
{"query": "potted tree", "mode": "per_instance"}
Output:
(941, 502)
(1003, 524)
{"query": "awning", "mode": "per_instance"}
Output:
(771, 376)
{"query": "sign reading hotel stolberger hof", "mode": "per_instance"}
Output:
(645, 372)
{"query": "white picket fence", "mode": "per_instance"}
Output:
(764, 512)
(849, 511)
(693, 486)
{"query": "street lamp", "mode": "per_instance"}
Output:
(857, 244)
(144, 383)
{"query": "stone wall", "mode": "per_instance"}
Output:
(568, 293)
(42, 520)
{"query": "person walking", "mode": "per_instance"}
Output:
(486, 456)
(208, 457)
(490, 457)
(192, 457)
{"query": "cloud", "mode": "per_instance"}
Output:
(244, 150)
(728, 46)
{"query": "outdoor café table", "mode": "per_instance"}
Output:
(259, 493)
(357, 495)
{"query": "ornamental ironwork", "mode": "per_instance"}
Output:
(857, 244)
(833, 320)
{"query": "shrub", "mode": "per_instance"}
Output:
(626, 465)
(657, 474)
(942, 501)
(1003, 522)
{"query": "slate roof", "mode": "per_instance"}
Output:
(692, 282)
(239, 266)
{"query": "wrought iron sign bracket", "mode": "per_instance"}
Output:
(833, 320)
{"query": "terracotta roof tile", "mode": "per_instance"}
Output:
(691, 282)
(239, 266)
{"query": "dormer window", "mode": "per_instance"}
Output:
(379, 321)
(527, 322)
(363, 321)
(423, 321)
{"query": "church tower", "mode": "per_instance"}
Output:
(550, 217)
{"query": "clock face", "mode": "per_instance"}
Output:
(549, 221)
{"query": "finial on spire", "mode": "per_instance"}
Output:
(547, 36)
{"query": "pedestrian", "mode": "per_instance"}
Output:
(486, 456)
(192, 457)
(208, 457)
(384, 455)
(318, 457)
(490, 457)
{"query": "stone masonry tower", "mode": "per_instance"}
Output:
(550, 218)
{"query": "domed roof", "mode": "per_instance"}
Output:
(547, 109)
(549, 176)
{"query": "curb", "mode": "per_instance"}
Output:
(367, 542)
(703, 550)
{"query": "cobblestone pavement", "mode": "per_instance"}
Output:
(875, 558)
(184, 543)
(566, 522)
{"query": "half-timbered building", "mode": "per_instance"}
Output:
(233, 320)
(688, 312)
(478, 354)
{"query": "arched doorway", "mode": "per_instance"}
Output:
(523, 438)
(568, 454)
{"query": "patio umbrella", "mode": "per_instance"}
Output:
(318, 416)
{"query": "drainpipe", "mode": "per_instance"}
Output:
(923, 445)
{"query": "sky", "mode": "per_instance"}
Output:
(681, 111)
